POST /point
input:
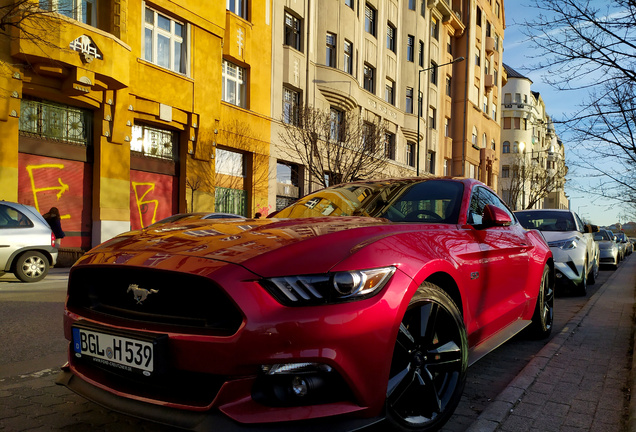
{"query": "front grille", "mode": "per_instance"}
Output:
(172, 298)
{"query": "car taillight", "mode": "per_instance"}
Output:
(52, 240)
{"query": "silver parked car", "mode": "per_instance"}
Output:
(610, 254)
(27, 244)
(576, 254)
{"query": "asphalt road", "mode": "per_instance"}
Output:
(33, 347)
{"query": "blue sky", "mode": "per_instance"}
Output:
(518, 54)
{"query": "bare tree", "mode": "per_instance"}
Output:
(336, 146)
(32, 20)
(531, 181)
(591, 46)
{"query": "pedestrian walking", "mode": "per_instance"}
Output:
(52, 217)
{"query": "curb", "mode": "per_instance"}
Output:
(500, 408)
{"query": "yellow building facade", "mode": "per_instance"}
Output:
(123, 112)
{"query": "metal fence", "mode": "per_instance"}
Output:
(56, 121)
(228, 200)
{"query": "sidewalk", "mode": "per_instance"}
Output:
(581, 380)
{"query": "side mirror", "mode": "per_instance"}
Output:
(494, 216)
(591, 228)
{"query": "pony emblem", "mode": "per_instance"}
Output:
(140, 294)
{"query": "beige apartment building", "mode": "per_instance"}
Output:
(533, 157)
(374, 58)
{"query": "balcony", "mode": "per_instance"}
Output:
(70, 46)
(490, 45)
(489, 81)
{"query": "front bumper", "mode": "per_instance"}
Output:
(199, 421)
(569, 265)
(609, 256)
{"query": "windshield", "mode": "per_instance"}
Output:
(601, 236)
(436, 201)
(547, 220)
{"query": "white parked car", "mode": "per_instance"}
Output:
(576, 254)
(27, 244)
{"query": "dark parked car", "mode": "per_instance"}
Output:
(360, 303)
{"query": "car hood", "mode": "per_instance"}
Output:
(552, 236)
(310, 245)
(605, 244)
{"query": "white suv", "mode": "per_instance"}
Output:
(576, 254)
(27, 244)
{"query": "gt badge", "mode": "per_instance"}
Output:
(140, 294)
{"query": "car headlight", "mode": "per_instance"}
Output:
(570, 243)
(329, 288)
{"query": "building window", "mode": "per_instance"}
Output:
(434, 28)
(506, 147)
(336, 125)
(80, 10)
(494, 112)
(390, 37)
(448, 85)
(410, 48)
(389, 146)
(233, 90)
(517, 123)
(474, 137)
(153, 142)
(496, 42)
(291, 106)
(432, 118)
(421, 55)
(389, 92)
(56, 121)
(515, 147)
(292, 31)
(497, 7)
(331, 50)
(238, 7)
(408, 106)
(369, 20)
(477, 57)
(505, 172)
(484, 141)
(446, 172)
(488, 28)
(433, 73)
(287, 184)
(493, 144)
(410, 154)
(348, 57)
(369, 78)
(431, 161)
(506, 123)
(349, 3)
(164, 42)
(447, 127)
(478, 17)
(449, 44)
(412, 4)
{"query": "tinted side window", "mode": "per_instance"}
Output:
(480, 199)
(12, 218)
(580, 226)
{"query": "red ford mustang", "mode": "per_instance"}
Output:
(360, 303)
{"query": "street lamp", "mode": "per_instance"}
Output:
(420, 108)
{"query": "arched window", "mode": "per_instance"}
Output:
(484, 141)
(493, 145)
(506, 147)
(474, 138)
(515, 147)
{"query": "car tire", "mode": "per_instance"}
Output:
(430, 358)
(31, 266)
(581, 289)
(591, 280)
(543, 316)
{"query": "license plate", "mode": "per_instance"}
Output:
(117, 351)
